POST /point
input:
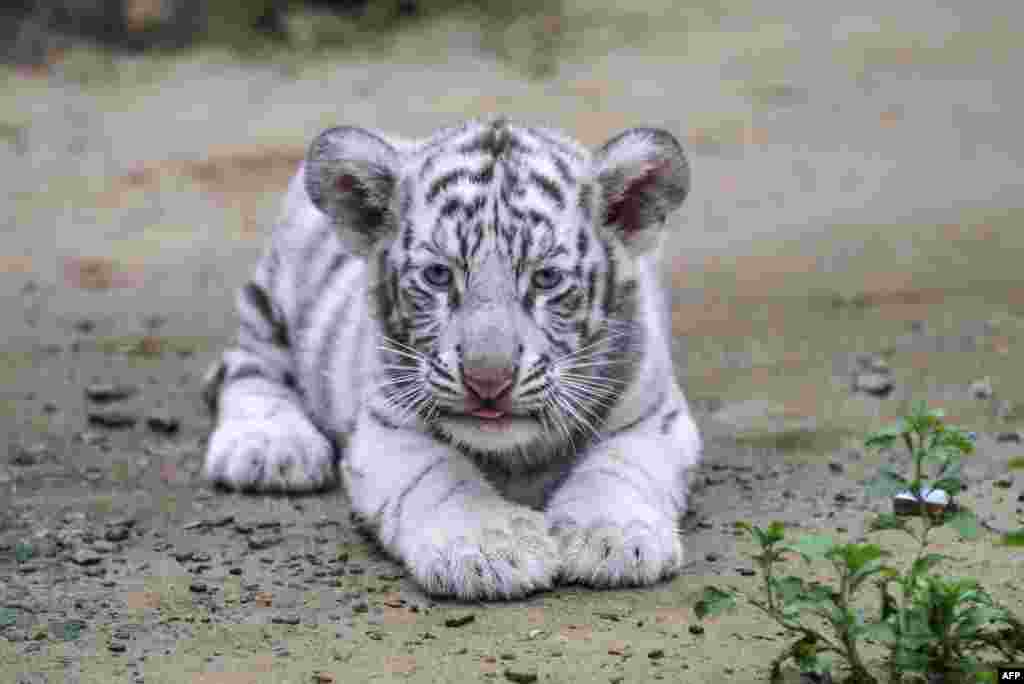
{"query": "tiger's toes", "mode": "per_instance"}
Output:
(507, 555)
(283, 454)
(606, 553)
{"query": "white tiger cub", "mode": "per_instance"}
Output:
(474, 320)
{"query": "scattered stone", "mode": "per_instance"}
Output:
(876, 384)
(361, 606)
(115, 420)
(656, 654)
(1009, 438)
(1004, 482)
(117, 647)
(86, 557)
(29, 455)
(285, 620)
(235, 571)
(198, 588)
(981, 389)
(323, 678)
(746, 572)
(183, 556)
(460, 621)
(104, 546)
(520, 676)
(696, 629)
(836, 467)
(264, 540)
(105, 393)
(163, 423)
(905, 503)
(712, 557)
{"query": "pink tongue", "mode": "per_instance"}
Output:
(488, 414)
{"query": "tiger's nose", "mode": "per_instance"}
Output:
(489, 383)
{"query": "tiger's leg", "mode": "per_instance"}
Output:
(435, 511)
(264, 439)
(616, 515)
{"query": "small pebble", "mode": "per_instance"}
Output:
(460, 621)
(981, 389)
(1009, 438)
(656, 654)
(696, 629)
(163, 423)
(285, 620)
(115, 420)
(746, 572)
(32, 454)
(520, 676)
(198, 588)
(86, 557)
(876, 384)
(103, 393)
(117, 647)
(258, 542)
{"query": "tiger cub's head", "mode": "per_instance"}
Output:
(503, 262)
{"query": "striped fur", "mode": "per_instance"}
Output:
(471, 323)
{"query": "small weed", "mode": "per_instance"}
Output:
(934, 627)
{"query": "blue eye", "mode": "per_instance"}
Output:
(438, 275)
(547, 278)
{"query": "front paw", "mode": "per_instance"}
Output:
(285, 453)
(495, 551)
(612, 553)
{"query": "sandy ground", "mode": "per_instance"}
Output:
(857, 195)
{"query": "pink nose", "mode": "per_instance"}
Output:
(488, 383)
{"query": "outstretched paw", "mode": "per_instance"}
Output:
(504, 553)
(285, 453)
(607, 553)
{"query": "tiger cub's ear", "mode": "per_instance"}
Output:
(643, 176)
(351, 176)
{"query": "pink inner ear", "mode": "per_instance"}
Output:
(345, 183)
(625, 208)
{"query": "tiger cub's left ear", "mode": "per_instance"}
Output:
(351, 176)
(643, 176)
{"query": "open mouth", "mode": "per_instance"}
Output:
(487, 414)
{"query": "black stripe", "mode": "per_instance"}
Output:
(537, 219)
(584, 202)
(452, 491)
(244, 371)
(212, 387)
(563, 170)
(441, 183)
(666, 422)
(400, 503)
(548, 187)
(556, 343)
(257, 298)
(646, 414)
(381, 419)
(616, 475)
(609, 279)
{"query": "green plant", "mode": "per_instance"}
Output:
(937, 627)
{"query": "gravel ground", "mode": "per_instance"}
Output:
(851, 245)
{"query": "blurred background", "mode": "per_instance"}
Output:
(857, 167)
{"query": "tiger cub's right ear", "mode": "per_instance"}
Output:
(351, 176)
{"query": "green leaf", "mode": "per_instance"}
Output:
(886, 436)
(23, 551)
(1014, 538)
(926, 563)
(714, 601)
(886, 484)
(965, 523)
(788, 589)
(8, 616)
(856, 556)
(776, 531)
(71, 630)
